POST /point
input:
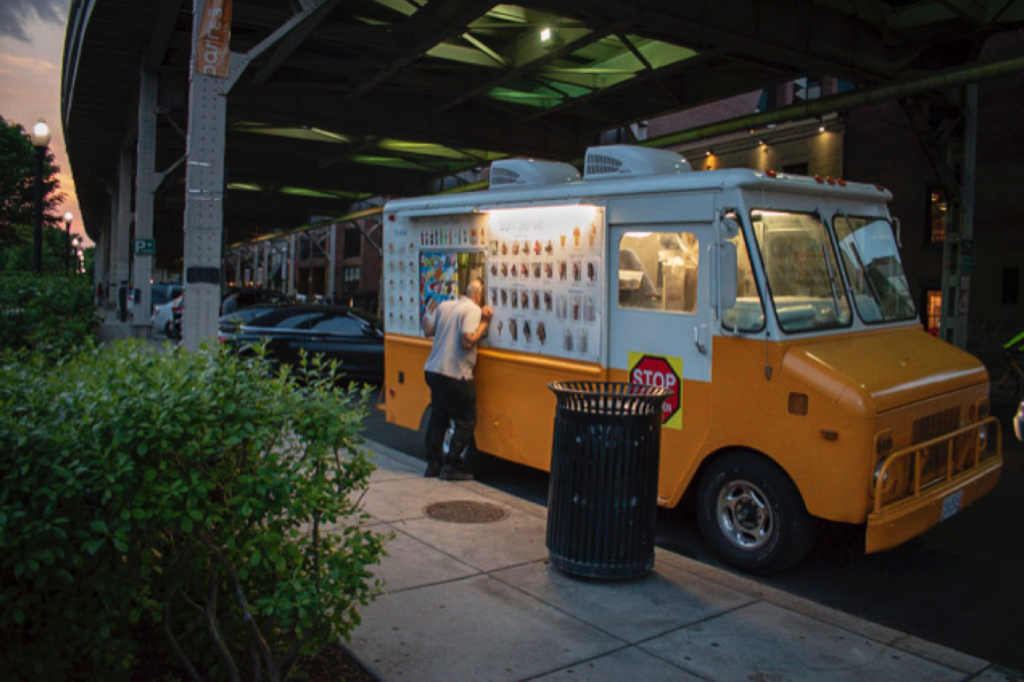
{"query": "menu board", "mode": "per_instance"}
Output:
(545, 274)
(544, 269)
(401, 283)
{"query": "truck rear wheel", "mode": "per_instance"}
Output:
(752, 514)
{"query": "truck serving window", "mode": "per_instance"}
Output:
(747, 315)
(804, 280)
(658, 271)
(873, 268)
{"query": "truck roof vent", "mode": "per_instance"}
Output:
(623, 160)
(526, 172)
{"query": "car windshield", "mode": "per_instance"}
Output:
(803, 274)
(873, 268)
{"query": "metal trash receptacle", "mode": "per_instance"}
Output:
(603, 489)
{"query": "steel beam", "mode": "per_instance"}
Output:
(314, 12)
(429, 26)
(843, 102)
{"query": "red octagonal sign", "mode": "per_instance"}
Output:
(654, 371)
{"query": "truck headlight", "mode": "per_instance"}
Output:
(878, 472)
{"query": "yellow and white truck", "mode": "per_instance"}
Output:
(774, 306)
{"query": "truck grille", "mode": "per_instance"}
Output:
(933, 460)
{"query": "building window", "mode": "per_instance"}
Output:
(937, 212)
(933, 311)
(1011, 285)
(351, 274)
(353, 243)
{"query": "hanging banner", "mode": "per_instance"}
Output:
(213, 43)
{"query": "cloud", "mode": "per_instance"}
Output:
(15, 14)
(13, 64)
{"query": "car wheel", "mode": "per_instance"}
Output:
(752, 514)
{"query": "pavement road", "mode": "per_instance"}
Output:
(959, 585)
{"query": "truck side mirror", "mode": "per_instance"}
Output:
(727, 276)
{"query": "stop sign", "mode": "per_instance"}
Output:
(655, 371)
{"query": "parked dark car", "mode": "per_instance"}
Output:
(252, 297)
(245, 299)
(333, 331)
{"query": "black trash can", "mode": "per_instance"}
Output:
(603, 490)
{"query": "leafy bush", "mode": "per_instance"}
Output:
(49, 313)
(182, 493)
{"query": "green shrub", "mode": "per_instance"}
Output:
(49, 313)
(181, 493)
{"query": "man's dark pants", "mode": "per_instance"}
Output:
(451, 400)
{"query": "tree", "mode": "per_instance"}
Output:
(17, 256)
(17, 186)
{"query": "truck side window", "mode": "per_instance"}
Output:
(658, 271)
(747, 315)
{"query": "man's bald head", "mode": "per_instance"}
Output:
(475, 290)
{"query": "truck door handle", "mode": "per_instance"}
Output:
(699, 339)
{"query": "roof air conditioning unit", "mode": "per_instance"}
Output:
(623, 160)
(527, 172)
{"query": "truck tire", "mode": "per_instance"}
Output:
(752, 514)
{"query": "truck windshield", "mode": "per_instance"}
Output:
(874, 270)
(803, 273)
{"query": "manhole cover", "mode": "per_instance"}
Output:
(465, 511)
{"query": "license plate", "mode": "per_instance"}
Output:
(951, 505)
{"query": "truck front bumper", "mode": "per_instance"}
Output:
(893, 523)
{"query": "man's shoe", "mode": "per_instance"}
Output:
(433, 469)
(450, 473)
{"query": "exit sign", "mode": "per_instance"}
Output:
(145, 247)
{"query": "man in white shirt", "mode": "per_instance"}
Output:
(457, 327)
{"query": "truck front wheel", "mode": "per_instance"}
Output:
(752, 514)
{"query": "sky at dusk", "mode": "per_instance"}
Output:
(31, 54)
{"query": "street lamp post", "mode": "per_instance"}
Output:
(40, 140)
(76, 246)
(68, 218)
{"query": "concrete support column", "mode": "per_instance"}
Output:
(332, 262)
(120, 267)
(264, 264)
(292, 262)
(145, 188)
(120, 219)
(958, 246)
(204, 196)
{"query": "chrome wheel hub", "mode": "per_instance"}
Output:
(744, 515)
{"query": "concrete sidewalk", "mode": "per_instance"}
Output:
(479, 601)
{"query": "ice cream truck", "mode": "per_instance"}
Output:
(774, 306)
